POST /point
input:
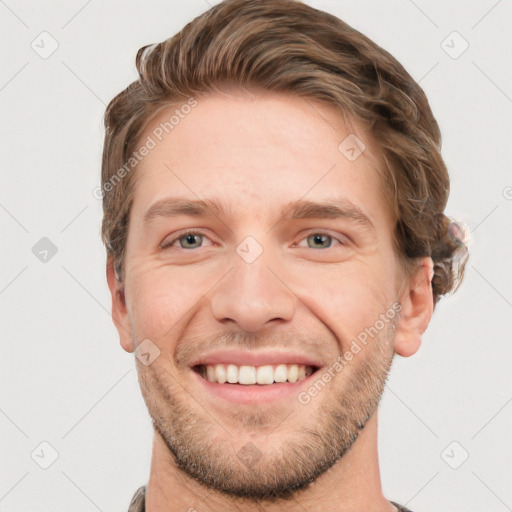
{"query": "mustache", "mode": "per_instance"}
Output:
(190, 347)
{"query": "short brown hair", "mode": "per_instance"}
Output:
(288, 46)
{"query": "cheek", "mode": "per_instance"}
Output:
(348, 298)
(159, 300)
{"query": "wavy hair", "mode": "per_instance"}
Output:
(288, 46)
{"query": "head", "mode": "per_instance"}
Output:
(273, 193)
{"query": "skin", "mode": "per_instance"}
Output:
(255, 151)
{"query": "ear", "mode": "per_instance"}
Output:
(120, 315)
(417, 302)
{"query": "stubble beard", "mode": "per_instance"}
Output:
(329, 430)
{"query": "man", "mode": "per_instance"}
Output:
(273, 216)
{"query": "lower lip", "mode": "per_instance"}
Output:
(254, 393)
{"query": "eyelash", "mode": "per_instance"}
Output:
(171, 242)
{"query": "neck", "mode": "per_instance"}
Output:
(352, 484)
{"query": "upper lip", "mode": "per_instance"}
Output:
(255, 358)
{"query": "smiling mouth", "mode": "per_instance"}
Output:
(248, 375)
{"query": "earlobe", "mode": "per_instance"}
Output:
(120, 315)
(417, 309)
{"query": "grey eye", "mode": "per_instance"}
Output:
(317, 239)
(189, 239)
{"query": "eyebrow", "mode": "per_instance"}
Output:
(300, 209)
(173, 207)
(328, 209)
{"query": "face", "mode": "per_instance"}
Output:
(259, 255)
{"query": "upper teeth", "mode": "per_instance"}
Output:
(267, 374)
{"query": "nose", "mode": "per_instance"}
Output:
(252, 295)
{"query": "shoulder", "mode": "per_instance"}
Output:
(400, 508)
(138, 501)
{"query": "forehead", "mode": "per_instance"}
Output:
(255, 150)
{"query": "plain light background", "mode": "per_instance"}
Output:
(66, 382)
